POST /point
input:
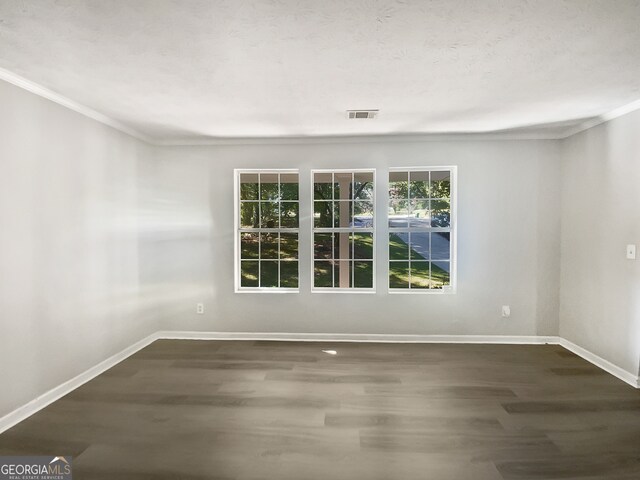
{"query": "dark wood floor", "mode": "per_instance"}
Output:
(285, 410)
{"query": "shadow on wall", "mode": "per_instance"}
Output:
(175, 234)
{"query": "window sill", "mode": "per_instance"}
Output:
(267, 290)
(343, 290)
(426, 291)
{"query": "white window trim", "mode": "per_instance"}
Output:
(453, 275)
(374, 230)
(236, 222)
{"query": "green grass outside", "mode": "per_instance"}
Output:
(268, 270)
(324, 270)
(399, 273)
(362, 265)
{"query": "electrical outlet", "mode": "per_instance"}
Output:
(506, 311)
(200, 308)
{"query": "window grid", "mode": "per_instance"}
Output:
(260, 231)
(409, 229)
(334, 230)
(352, 260)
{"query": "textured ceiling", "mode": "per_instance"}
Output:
(194, 69)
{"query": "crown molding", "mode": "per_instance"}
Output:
(44, 92)
(352, 139)
(605, 117)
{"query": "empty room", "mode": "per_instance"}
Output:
(311, 240)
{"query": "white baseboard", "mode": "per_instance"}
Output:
(38, 403)
(61, 390)
(598, 361)
(359, 337)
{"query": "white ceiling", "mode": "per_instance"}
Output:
(196, 69)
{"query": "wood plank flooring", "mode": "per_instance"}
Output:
(286, 410)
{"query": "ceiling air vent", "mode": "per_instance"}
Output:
(353, 114)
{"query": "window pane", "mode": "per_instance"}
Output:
(441, 213)
(249, 215)
(249, 186)
(341, 246)
(323, 245)
(322, 186)
(249, 274)
(268, 202)
(440, 274)
(269, 214)
(249, 245)
(420, 275)
(363, 274)
(440, 184)
(398, 185)
(322, 214)
(399, 246)
(440, 246)
(323, 274)
(399, 275)
(289, 214)
(398, 177)
(269, 274)
(398, 213)
(363, 186)
(269, 246)
(419, 214)
(288, 245)
(289, 186)
(342, 214)
(342, 186)
(342, 274)
(362, 245)
(269, 186)
(363, 214)
(289, 274)
(418, 184)
(419, 246)
(419, 202)
(334, 252)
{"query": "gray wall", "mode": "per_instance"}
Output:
(600, 289)
(104, 240)
(509, 193)
(69, 290)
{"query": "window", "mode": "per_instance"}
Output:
(343, 230)
(422, 229)
(267, 230)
